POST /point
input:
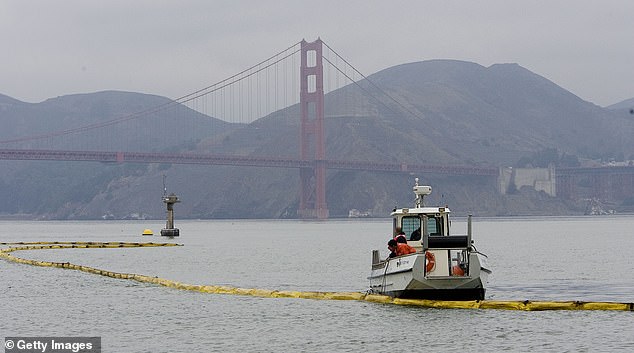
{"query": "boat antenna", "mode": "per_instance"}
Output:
(164, 186)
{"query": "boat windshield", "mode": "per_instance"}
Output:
(411, 226)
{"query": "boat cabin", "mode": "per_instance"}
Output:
(413, 222)
(427, 230)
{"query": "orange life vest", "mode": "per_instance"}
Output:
(404, 249)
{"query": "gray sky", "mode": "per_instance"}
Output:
(171, 48)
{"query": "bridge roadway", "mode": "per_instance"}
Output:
(232, 160)
(261, 161)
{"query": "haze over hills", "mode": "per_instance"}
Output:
(433, 112)
(151, 122)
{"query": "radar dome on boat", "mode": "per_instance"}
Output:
(422, 190)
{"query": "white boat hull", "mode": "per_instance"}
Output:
(405, 277)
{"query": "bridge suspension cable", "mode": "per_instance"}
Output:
(244, 97)
(187, 98)
(370, 82)
(240, 102)
(265, 64)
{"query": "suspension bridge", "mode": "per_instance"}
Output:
(269, 87)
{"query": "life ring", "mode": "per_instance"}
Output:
(430, 261)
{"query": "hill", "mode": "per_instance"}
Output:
(623, 105)
(151, 122)
(437, 112)
(624, 109)
(59, 189)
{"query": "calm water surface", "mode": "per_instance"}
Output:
(585, 258)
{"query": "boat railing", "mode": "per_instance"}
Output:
(376, 259)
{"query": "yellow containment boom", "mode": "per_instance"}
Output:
(526, 305)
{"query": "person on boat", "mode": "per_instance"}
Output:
(415, 234)
(398, 249)
(391, 245)
(400, 236)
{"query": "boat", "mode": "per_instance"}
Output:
(444, 266)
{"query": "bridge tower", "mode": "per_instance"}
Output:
(312, 193)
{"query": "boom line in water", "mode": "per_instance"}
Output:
(525, 305)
